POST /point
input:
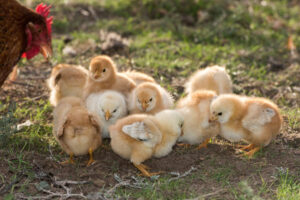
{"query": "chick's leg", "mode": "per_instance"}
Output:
(145, 166)
(252, 152)
(246, 147)
(91, 160)
(70, 161)
(203, 144)
(143, 169)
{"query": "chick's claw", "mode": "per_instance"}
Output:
(203, 145)
(245, 147)
(70, 161)
(143, 168)
(90, 162)
(251, 153)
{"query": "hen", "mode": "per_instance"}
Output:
(23, 32)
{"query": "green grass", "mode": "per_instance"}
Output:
(289, 186)
(222, 175)
(161, 188)
(34, 137)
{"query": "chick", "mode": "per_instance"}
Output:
(109, 106)
(76, 130)
(66, 80)
(139, 137)
(211, 78)
(256, 120)
(149, 98)
(139, 77)
(103, 75)
(197, 128)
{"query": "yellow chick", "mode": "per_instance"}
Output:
(103, 75)
(211, 78)
(109, 106)
(256, 120)
(66, 80)
(197, 128)
(139, 77)
(139, 137)
(149, 98)
(76, 130)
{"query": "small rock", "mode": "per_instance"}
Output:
(69, 51)
(297, 152)
(296, 89)
(292, 95)
(84, 12)
(43, 185)
(25, 124)
(99, 182)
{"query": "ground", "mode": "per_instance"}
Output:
(257, 41)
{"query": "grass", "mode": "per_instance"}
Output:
(289, 186)
(34, 137)
(161, 188)
(170, 40)
(293, 118)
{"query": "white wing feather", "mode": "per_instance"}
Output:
(257, 117)
(137, 130)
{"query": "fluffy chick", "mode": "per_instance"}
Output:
(211, 78)
(66, 80)
(103, 75)
(139, 77)
(109, 106)
(149, 98)
(76, 130)
(139, 137)
(197, 128)
(256, 120)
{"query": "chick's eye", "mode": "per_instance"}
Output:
(104, 70)
(220, 113)
(115, 110)
(150, 99)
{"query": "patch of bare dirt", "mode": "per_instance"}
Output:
(31, 83)
(101, 174)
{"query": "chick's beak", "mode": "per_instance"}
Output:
(97, 75)
(145, 106)
(107, 115)
(46, 50)
(213, 118)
